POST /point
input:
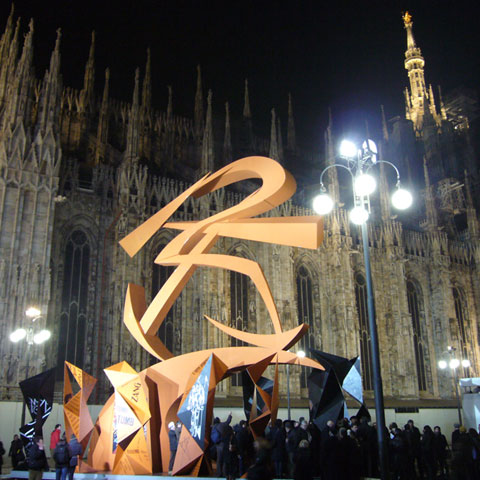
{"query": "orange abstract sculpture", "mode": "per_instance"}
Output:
(75, 410)
(183, 387)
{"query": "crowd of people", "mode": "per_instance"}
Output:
(344, 450)
(33, 456)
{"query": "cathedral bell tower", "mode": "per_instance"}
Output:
(419, 101)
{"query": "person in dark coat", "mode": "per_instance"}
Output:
(61, 455)
(328, 449)
(412, 434)
(16, 451)
(368, 440)
(75, 450)
(455, 433)
(172, 438)
(36, 459)
(231, 463)
(428, 455)
(244, 445)
(462, 459)
(440, 449)
(290, 446)
(475, 451)
(2, 453)
(345, 451)
(277, 440)
(303, 462)
(225, 431)
(260, 470)
(399, 455)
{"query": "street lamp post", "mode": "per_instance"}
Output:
(32, 337)
(300, 354)
(454, 363)
(358, 164)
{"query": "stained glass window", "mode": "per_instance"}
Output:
(73, 317)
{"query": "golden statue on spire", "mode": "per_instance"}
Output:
(407, 18)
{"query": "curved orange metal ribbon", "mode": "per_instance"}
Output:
(190, 249)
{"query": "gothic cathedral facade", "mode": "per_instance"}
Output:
(78, 171)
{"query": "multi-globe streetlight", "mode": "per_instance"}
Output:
(359, 163)
(454, 363)
(33, 336)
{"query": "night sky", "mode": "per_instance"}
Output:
(344, 55)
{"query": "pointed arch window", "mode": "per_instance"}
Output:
(461, 316)
(414, 307)
(73, 317)
(238, 313)
(305, 315)
(365, 340)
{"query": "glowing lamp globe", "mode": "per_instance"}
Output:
(402, 199)
(41, 336)
(466, 363)
(18, 335)
(348, 149)
(301, 354)
(454, 363)
(322, 204)
(33, 312)
(364, 184)
(358, 215)
(442, 364)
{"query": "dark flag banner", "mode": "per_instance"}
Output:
(38, 395)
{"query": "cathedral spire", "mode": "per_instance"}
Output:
(170, 102)
(8, 65)
(6, 37)
(86, 95)
(227, 141)
(147, 87)
(18, 102)
(332, 176)
(384, 125)
(102, 129)
(433, 108)
(280, 141)
(208, 156)
(246, 103)
(145, 111)
(431, 222)
(198, 113)
(291, 141)
(131, 151)
(443, 111)
(418, 96)
(247, 130)
(50, 95)
(273, 151)
(472, 219)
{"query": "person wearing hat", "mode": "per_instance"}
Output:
(172, 437)
(455, 433)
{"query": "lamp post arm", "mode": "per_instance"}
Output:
(388, 163)
(331, 166)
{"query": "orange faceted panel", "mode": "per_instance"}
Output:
(76, 415)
